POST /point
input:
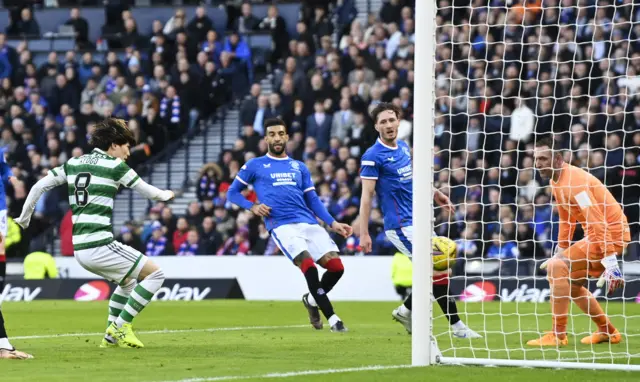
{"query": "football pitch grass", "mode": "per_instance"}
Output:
(241, 340)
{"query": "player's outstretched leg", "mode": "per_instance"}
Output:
(450, 309)
(117, 302)
(335, 269)
(558, 275)
(317, 297)
(6, 350)
(150, 279)
(606, 332)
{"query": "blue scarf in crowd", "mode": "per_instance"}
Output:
(187, 249)
(175, 109)
(110, 85)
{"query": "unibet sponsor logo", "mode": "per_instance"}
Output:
(178, 292)
(11, 293)
(478, 292)
(93, 291)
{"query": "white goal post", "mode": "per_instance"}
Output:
(506, 319)
(422, 352)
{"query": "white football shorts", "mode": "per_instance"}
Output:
(293, 239)
(115, 262)
(3, 223)
(402, 239)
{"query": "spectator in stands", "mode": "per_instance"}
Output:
(210, 175)
(200, 25)
(238, 244)
(247, 22)
(80, 26)
(176, 22)
(171, 110)
(180, 234)
(191, 246)
(26, 26)
(211, 238)
(128, 237)
(157, 244)
(319, 125)
(194, 214)
(274, 23)
(506, 251)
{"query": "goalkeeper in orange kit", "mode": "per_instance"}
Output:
(581, 198)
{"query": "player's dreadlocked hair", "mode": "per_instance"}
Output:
(110, 131)
(384, 106)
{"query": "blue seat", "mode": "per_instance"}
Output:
(39, 45)
(14, 43)
(40, 58)
(63, 45)
(260, 41)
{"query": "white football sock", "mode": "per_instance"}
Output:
(404, 311)
(459, 325)
(5, 344)
(333, 319)
(311, 300)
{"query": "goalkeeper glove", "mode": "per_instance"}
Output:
(612, 274)
(556, 252)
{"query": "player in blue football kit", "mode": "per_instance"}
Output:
(289, 205)
(386, 169)
(7, 351)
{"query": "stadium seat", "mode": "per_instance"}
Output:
(63, 45)
(40, 45)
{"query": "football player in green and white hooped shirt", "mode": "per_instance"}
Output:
(92, 181)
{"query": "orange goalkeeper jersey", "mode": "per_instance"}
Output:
(582, 198)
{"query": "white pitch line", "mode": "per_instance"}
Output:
(230, 329)
(296, 373)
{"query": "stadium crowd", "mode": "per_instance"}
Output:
(485, 124)
(504, 74)
(163, 80)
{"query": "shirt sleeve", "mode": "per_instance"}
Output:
(246, 175)
(59, 175)
(307, 182)
(126, 176)
(369, 167)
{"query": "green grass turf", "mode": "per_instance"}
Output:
(373, 340)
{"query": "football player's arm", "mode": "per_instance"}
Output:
(566, 227)
(5, 169)
(595, 217)
(130, 179)
(242, 180)
(312, 200)
(369, 175)
(235, 194)
(54, 178)
(368, 190)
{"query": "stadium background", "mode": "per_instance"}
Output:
(197, 100)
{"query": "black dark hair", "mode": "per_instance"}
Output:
(274, 122)
(550, 141)
(110, 131)
(384, 106)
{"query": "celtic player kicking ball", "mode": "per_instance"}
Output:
(93, 181)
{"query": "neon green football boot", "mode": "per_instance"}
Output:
(125, 336)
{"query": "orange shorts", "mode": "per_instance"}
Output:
(585, 256)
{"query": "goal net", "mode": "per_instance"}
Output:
(508, 72)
